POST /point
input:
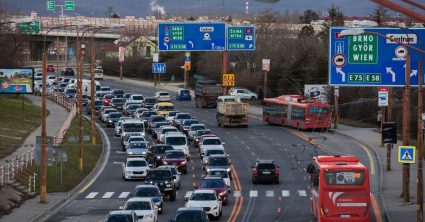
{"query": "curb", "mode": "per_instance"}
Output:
(91, 176)
(381, 176)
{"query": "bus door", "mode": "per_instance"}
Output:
(289, 114)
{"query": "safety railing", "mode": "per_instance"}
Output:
(15, 166)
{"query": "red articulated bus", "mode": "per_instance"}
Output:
(340, 189)
(294, 111)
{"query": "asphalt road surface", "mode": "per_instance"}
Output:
(287, 201)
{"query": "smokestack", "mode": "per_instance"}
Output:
(246, 7)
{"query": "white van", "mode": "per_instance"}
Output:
(178, 141)
(98, 74)
(87, 86)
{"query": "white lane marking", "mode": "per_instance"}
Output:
(269, 193)
(120, 151)
(107, 195)
(285, 193)
(91, 195)
(237, 194)
(124, 195)
(253, 193)
(302, 193)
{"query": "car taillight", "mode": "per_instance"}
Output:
(254, 171)
(276, 172)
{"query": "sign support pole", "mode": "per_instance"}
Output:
(265, 84)
(382, 120)
(406, 131)
(420, 185)
(225, 61)
(120, 70)
(43, 167)
(336, 112)
(389, 119)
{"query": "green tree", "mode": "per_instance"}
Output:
(309, 16)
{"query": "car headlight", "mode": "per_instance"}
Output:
(165, 163)
(228, 169)
(222, 194)
(143, 152)
(110, 121)
(208, 169)
(130, 153)
(214, 207)
(143, 133)
(149, 215)
(128, 172)
(205, 161)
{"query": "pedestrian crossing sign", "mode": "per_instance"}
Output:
(406, 154)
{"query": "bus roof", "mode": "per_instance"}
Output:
(338, 161)
(295, 100)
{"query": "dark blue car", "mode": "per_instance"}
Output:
(183, 95)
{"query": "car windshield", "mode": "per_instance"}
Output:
(164, 94)
(107, 111)
(172, 114)
(138, 205)
(183, 116)
(105, 89)
(127, 136)
(211, 152)
(203, 196)
(218, 173)
(137, 97)
(166, 108)
(117, 101)
(189, 216)
(159, 124)
(198, 127)
(158, 174)
(211, 142)
(140, 110)
(185, 92)
(136, 163)
(136, 139)
(180, 140)
(108, 96)
(71, 91)
(115, 115)
(266, 166)
(212, 183)
(120, 218)
(190, 122)
(218, 161)
(174, 155)
(137, 146)
(157, 119)
(119, 92)
(133, 127)
(150, 100)
(202, 132)
(132, 107)
(162, 149)
(169, 130)
(147, 192)
(148, 113)
(173, 170)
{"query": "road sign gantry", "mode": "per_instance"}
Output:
(371, 60)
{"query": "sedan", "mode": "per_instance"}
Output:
(207, 200)
(137, 149)
(107, 99)
(218, 161)
(105, 114)
(151, 191)
(190, 214)
(218, 185)
(176, 158)
(135, 168)
(175, 172)
(113, 118)
(144, 208)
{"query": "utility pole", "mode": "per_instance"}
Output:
(419, 181)
(389, 119)
(406, 130)
(57, 66)
(80, 110)
(382, 120)
(92, 93)
(43, 164)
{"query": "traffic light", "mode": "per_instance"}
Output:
(389, 132)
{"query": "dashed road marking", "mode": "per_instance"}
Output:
(302, 193)
(253, 193)
(269, 193)
(285, 193)
(107, 195)
(91, 195)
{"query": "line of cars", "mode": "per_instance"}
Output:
(160, 165)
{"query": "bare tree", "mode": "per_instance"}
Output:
(12, 42)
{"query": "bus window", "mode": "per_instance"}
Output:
(318, 110)
(298, 113)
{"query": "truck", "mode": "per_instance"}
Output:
(231, 111)
(206, 93)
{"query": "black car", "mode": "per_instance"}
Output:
(117, 103)
(118, 93)
(145, 116)
(130, 109)
(97, 105)
(265, 171)
(190, 214)
(156, 153)
(149, 102)
(154, 119)
(164, 179)
(113, 119)
(150, 191)
(68, 72)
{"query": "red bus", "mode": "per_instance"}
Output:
(340, 189)
(292, 110)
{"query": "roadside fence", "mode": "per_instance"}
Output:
(16, 170)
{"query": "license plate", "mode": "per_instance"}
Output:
(266, 172)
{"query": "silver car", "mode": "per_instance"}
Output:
(137, 149)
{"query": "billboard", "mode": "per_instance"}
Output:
(16, 80)
(320, 92)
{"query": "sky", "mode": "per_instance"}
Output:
(142, 8)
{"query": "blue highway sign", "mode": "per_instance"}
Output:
(158, 68)
(191, 37)
(406, 154)
(372, 60)
(240, 38)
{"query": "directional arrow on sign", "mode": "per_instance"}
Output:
(191, 44)
(391, 72)
(339, 70)
(166, 45)
(212, 45)
(413, 73)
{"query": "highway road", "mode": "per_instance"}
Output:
(287, 201)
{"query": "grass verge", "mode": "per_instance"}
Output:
(19, 118)
(71, 175)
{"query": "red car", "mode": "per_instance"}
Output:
(50, 68)
(99, 113)
(218, 185)
(176, 158)
(107, 99)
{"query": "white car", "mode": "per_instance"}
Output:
(136, 98)
(170, 116)
(162, 96)
(206, 199)
(220, 173)
(135, 168)
(98, 74)
(210, 142)
(165, 129)
(105, 90)
(144, 208)
(243, 93)
(178, 141)
(193, 128)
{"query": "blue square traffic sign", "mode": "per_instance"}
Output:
(158, 68)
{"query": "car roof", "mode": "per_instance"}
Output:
(203, 191)
(190, 209)
(135, 158)
(218, 155)
(174, 151)
(167, 166)
(134, 199)
(211, 137)
(121, 212)
(160, 169)
(212, 178)
(265, 161)
(146, 186)
(197, 124)
(215, 148)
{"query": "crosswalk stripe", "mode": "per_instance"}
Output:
(124, 195)
(237, 193)
(285, 193)
(253, 193)
(91, 195)
(302, 193)
(107, 195)
(269, 193)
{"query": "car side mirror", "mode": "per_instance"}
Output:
(123, 164)
(179, 173)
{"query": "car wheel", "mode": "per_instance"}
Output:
(253, 98)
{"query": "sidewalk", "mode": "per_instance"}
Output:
(369, 137)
